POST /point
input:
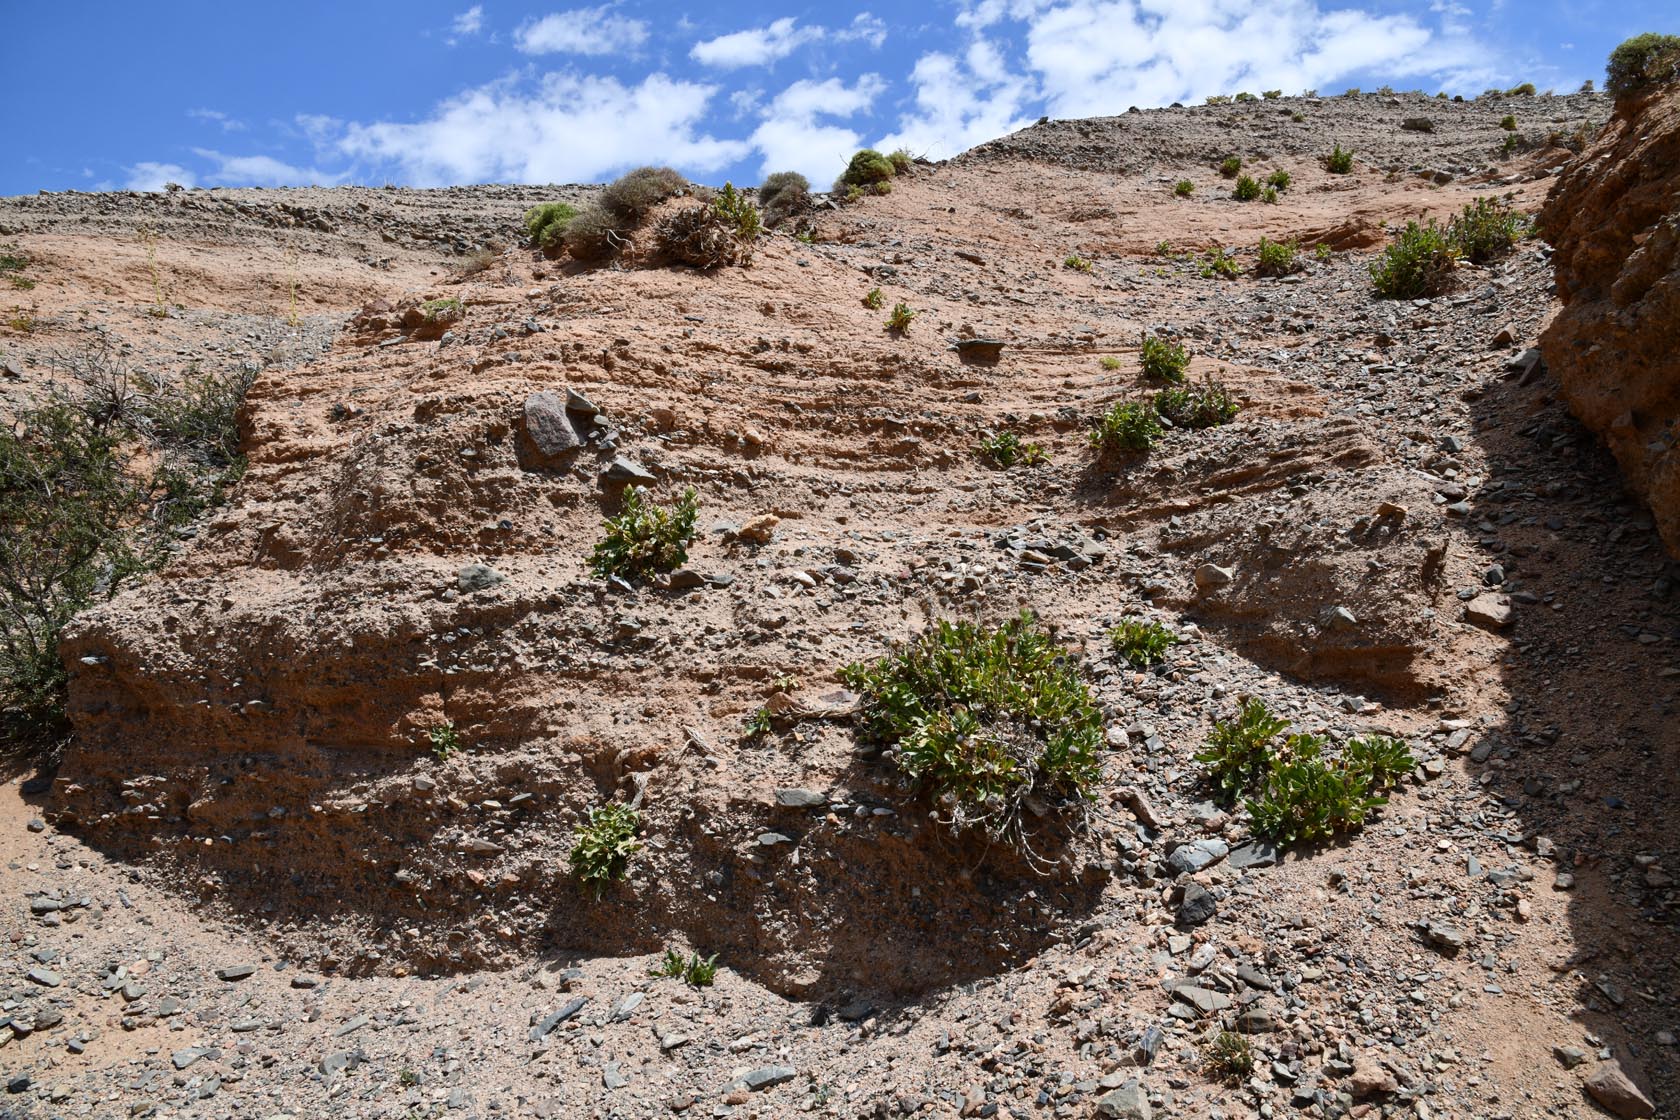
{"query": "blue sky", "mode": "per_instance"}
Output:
(131, 95)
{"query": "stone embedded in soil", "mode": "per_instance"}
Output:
(1196, 905)
(768, 1076)
(1488, 611)
(1615, 1090)
(793, 798)
(1128, 1102)
(1210, 577)
(624, 470)
(1192, 857)
(477, 577)
(45, 977)
(1370, 1078)
(555, 1018)
(1570, 1056)
(1255, 853)
(548, 429)
(235, 972)
(1204, 1000)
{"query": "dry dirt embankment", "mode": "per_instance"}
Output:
(1614, 217)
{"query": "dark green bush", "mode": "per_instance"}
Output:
(1420, 262)
(1126, 426)
(902, 161)
(645, 539)
(1486, 230)
(1238, 750)
(1508, 123)
(1246, 190)
(1641, 62)
(1220, 263)
(1184, 188)
(1162, 358)
(634, 193)
(1141, 643)
(546, 224)
(1279, 179)
(1231, 166)
(1339, 161)
(1207, 405)
(602, 846)
(983, 717)
(865, 168)
(1277, 258)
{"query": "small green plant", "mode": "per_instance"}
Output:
(442, 310)
(1140, 643)
(1228, 1058)
(1184, 188)
(1005, 449)
(160, 306)
(546, 224)
(1219, 99)
(693, 970)
(1126, 426)
(1195, 407)
(1339, 161)
(866, 168)
(445, 740)
(722, 231)
(1322, 252)
(1271, 94)
(1246, 190)
(1245, 96)
(1513, 142)
(1221, 263)
(1420, 262)
(1237, 750)
(1298, 117)
(1109, 362)
(1305, 797)
(982, 718)
(1278, 179)
(1269, 196)
(1380, 758)
(874, 300)
(1486, 230)
(645, 538)
(1508, 123)
(1078, 264)
(902, 160)
(12, 264)
(408, 1078)
(1163, 249)
(1163, 359)
(1526, 89)
(602, 846)
(758, 724)
(902, 316)
(1641, 62)
(1231, 166)
(1277, 258)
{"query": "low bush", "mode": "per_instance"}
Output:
(603, 845)
(784, 195)
(1109, 362)
(1508, 123)
(902, 161)
(1486, 230)
(596, 235)
(1228, 1058)
(1246, 190)
(1184, 188)
(1641, 62)
(1005, 449)
(630, 196)
(1162, 358)
(711, 234)
(1339, 161)
(898, 322)
(1269, 196)
(1127, 426)
(1279, 179)
(1207, 405)
(1277, 258)
(1141, 644)
(1218, 99)
(645, 539)
(1245, 96)
(1419, 263)
(1078, 264)
(1238, 750)
(981, 718)
(1271, 94)
(546, 224)
(874, 300)
(866, 168)
(1221, 263)
(1231, 166)
(442, 310)
(1526, 89)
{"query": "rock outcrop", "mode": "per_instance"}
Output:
(1614, 218)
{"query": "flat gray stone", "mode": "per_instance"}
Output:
(1129, 1102)
(555, 1018)
(622, 470)
(1192, 857)
(548, 430)
(800, 798)
(477, 577)
(45, 977)
(1204, 1000)
(766, 1077)
(235, 972)
(1255, 853)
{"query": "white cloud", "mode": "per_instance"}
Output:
(865, 28)
(791, 139)
(466, 25)
(561, 128)
(757, 46)
(961, 103)
(154, 176)
(581, 31)
(263, 171)
(214, 116)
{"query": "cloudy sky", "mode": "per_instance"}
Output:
(132, 95)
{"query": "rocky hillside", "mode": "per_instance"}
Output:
(309, 849)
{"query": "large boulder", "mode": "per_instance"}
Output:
(1614, 218)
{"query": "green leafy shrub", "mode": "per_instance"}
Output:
(445, 740)
(1228, 1058)
(1126, 426)
(711, 234)
(1231, 166)
(546, 224)
(1221, 263)
(983, 717)
(1246, 190)
(1245, 96)
(1508, 123)
(1279, 179)
(1271, 94)
(1277, 258)
(1078, 264)
(866, 168)
(1641, 62)
(902, 316)
(1005, 449)
(1184, 188)
(874, 300)
(1207, 405)
(692, 970)
(1524, 90)
(1339, 161)
(902, 161)
(1419, 263)
(1238, 750)
(1163, 359)
(602, 847)
(645, 538)
(1269, 196)
(596, 234)
(630, 196)
(1141, 643)
(1486, 230)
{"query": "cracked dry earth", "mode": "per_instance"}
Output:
(251, 890)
